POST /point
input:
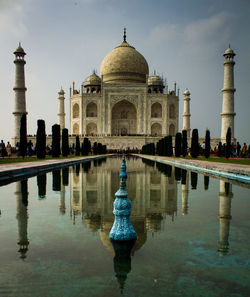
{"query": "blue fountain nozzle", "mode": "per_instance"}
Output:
(123, 174)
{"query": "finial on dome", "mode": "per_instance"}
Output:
(124, 35)
(154, 72)
(229, 45)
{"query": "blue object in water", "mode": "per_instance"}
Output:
(122, 228)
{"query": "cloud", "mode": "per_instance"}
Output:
(12, 20)
(197, 38)
(203, 36)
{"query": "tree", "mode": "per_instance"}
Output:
(207, 144)
(40, 140)
(178, 140)
(195, 144)
(85, 147)
(65, 142)
(184, 143)
(95, 151)
(220, 150)
(56, 141)
(77, 146)
(23, 136)
(228, 143)
(170, 146)
(41, 183)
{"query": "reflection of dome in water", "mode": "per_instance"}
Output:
(93, 222)
(153, 222)
(139, 227)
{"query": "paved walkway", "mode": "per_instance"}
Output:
(232, 171)
(13, 171)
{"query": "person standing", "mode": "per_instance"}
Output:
(8, 148)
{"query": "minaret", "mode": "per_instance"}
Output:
(227, 114)
(186, 112)
(61, 113)
(19, 89)
(225, 197)
(22, 217)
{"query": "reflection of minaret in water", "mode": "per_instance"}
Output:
(225, 197)
(22, 216)
(184, 189)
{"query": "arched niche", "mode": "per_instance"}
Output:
(156, 110)
(172, 130)
(172, 111)
(156, 129)
(76, 129)
(91, 129)
(91, 110)
(124, 118)
(75, 110)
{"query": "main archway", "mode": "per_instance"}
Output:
(124, 119)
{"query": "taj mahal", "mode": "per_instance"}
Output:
(124, 107)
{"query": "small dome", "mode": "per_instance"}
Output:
(19, 50)
(155, 80)
(61, 92)
(186, 93)
(124, 64)
(229, 51)
(93, 80)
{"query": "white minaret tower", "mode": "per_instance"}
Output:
(228, 114)
(61, 113)
(19, 89)
(186, 112)
(225, 197)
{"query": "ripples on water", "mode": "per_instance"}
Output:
(193, 233)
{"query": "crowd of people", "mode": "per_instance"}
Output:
(238, 150)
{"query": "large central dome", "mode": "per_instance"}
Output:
(124, 64)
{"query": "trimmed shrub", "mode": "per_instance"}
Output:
(220, 150)
(40, 140)
(195, 144)
(77, 146)
(207, 144)
(56, 141)
(178, 140)
(65, 142)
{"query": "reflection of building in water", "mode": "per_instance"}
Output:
(225, 197)
(22, 216)
(153, 196)
(184, 190)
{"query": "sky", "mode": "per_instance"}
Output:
(183, 41)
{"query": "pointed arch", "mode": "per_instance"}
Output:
(156, 110)
(91, 110)
(91, 129)
(172, 130)
(75, 110)
(76, 129)
(156, 129)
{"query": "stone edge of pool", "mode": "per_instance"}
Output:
(16, 171)
(237, 174)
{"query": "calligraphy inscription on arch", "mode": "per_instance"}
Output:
(131, 98)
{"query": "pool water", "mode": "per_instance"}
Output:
(193, 233)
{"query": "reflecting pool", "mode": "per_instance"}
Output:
(193, 233)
